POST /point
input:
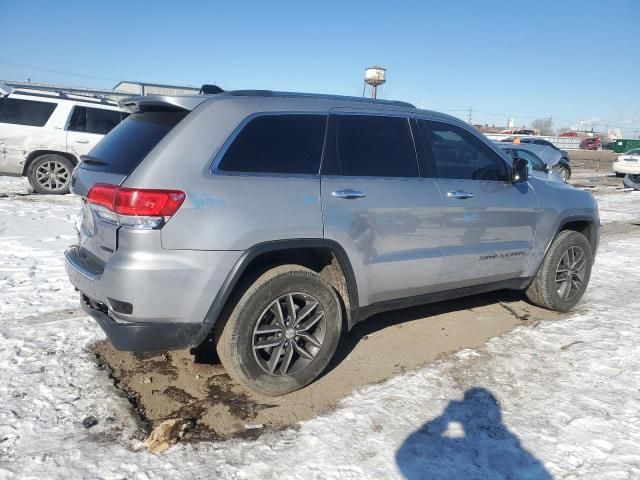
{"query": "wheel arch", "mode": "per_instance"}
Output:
(38, 153)
(583, 224)
(325, 257)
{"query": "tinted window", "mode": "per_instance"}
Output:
(277, 144)
(375, 146)
(94, 120)
(126, 145)
(460, 154)
(25, 112)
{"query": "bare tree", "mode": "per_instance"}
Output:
(544, 126)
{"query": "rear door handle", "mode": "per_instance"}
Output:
(81, 141)
(348, 193)
(459, 194)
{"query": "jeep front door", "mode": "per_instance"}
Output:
(489, 222)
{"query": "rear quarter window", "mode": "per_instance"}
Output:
(277, 144)
(127, 144)
(95, 120)
(19, 111)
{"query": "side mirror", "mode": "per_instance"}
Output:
(520, 170)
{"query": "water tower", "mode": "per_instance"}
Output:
(374, 76)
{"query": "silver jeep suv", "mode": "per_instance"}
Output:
(276, 221)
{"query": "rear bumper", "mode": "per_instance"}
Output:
(626, 167)
(151, 300)
(145, 336)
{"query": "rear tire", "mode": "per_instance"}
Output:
(564, 274)
(263, 345)
(50, 174)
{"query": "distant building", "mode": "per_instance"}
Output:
(120, 91)
(141, 88)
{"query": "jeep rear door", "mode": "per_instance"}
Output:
(489, 222)
(378, 208)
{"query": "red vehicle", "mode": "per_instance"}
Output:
(593, 143)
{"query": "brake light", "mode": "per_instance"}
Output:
(102, 195)
(135, 202)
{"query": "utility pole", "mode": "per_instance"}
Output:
(470, 111)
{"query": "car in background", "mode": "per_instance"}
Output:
(44, 133)
(591, 143)
(627, 164)
(524, 131)
(540, 141)
(544, 162)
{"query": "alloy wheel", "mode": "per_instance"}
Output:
(52, 175)
(289, 334)
(570, 273)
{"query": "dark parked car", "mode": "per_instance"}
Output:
(540, 141)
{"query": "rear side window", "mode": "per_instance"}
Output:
(25, 112)
(94, 120)
(459, 154)
(374, 146)
(277, 144)
(126, 145)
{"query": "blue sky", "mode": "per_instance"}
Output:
(569, 59)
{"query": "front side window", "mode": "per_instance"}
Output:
(374, 146)
(277, 144)
(459, 154)
(535, 161)
(94, 120)
(25, 112)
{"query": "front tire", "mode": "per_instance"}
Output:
(282, 332)
(50, 174)
(564, 274)
(564, 173)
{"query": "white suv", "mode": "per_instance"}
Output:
(44, 133)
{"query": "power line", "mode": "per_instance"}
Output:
(51, 70)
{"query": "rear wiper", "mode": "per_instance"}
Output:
(92, 160)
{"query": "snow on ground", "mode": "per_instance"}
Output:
(619, 205)
(560, 399)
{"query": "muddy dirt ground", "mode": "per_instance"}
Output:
(192, 384)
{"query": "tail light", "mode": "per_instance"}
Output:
(134, 207)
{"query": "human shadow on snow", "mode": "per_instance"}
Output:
(468, 441)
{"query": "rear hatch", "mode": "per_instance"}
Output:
(104, 170)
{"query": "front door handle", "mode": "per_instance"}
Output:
(460, 194)
(81, 141)
(348, 193)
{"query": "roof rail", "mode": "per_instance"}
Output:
(345, 98)
(64, 95)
